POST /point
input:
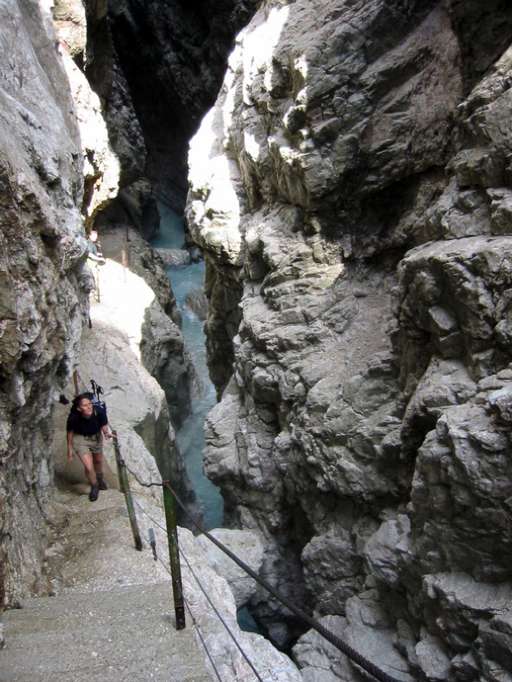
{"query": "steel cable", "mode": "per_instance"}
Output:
(329, 636)
(196, 625)
(336, 641)
(216, 611)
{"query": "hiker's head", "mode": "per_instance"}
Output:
(84, 406)
(93, 236)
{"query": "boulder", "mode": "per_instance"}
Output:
(245, 544)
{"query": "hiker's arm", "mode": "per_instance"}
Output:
(106, 431)
(70, 445)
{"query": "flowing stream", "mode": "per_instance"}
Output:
(190, 436)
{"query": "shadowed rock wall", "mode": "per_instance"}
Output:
(174, 57)
(351, 189)
(41, 298)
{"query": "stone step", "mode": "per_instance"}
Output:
(123, 635)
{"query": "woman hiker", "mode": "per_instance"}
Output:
(86, 428)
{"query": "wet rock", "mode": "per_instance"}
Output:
(197, 302)
(174, 257)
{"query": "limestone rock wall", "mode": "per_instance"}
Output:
(351, 190)
(113, 133)
(41, 260)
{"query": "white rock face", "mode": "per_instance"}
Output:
(101, 166)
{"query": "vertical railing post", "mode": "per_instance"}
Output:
(174, 556)
(124, 486)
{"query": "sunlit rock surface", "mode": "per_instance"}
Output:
(351, 192)
(136, 284)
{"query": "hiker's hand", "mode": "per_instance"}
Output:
(108, 435)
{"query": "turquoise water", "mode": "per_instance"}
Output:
(190, 437)
(171, 234)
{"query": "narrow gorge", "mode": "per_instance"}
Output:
(344, 169)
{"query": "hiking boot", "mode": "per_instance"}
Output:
(93, 495)
(101, 482)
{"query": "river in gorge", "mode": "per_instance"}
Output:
(190, 437)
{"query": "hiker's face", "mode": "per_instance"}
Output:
(85, 408)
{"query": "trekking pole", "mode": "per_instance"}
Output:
(174, 557)
(75, 381)
(124, 486)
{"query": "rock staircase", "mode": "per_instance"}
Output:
(112, 618)
(117, 636)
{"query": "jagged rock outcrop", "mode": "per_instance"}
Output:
(116, 140)
(355, 218)
(41, 272)
(56, 160)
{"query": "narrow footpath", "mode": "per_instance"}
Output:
(112, 619)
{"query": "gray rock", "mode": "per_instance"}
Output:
(319, 660)
(70, 24)
(174, 257)
(368, 632)
(388, 550)
(181, 56)
(197, 302)
(245, 544)
(501, 402)
(41, 299)
(432, 658)
(162, 346)
(349, 143)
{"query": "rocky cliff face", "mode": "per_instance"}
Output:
(352, 191)
(41, 297)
